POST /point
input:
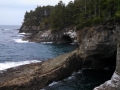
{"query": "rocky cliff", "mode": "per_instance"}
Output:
(114, 83)
(98, 48)
(67, 35)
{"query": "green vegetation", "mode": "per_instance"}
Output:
(80, 13)
(39, 16)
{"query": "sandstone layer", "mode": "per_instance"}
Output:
(36, 76)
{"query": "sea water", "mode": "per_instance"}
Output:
(14, 52)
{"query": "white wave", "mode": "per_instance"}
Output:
(53, 83)
(7, 65)
(22, 33)
(46, 42)
(20, 41)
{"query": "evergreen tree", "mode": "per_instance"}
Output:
(79, 13)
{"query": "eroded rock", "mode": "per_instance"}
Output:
(38, 75)
(48, 35)
(98, 46)
(114, 83)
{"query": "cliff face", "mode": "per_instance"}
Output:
(29, 29)
(98, 47)
(67, 35)
(114, 83)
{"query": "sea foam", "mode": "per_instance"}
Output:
(7, 65)
(46, 42)
(53, 83)
(22, 33)
(20, 41)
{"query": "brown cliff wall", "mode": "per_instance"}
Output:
(97, 47)
(114, 83)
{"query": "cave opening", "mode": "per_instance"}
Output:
(99, 62)
(109, 61)
(66, 39)
(100, 69)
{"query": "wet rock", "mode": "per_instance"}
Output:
(38, 75)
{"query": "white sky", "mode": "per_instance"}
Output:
(12, 11)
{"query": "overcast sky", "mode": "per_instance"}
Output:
(12, 11)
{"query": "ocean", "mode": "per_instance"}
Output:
(14, 52)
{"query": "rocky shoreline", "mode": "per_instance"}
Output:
(67, 35)
(29, 77)
(98, 49)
